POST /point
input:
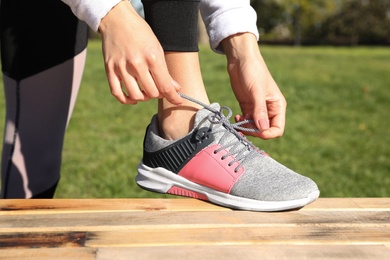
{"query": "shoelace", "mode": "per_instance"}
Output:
(242, 148)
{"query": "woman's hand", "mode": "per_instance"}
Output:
(256, 91)
(134, 59)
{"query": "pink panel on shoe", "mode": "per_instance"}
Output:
(208, 169)
(188, 193)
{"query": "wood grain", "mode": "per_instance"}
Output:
(330, 228)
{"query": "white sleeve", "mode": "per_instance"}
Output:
(91, 11)
(223, 18)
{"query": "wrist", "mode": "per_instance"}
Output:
(240, 45)
(115, 14)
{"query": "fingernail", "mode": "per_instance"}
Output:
(264, 124)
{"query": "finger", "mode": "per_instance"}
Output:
(166, 85)
(272, 132)
(114, 81)
(130, 84)
(260, 115)
(260, 111)
(148, 86)
(276, 129)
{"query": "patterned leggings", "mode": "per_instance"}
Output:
(42, 56)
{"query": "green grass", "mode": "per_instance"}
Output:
(337, 132)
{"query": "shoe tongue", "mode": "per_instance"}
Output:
(203, 113)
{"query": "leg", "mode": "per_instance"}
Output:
(214, 162)
(42, 73)
(175, 24)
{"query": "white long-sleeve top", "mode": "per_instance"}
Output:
(227, 17)
(221, 17)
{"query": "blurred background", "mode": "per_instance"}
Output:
(330, 22)
(318, 22)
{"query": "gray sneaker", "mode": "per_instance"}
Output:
(216, 163)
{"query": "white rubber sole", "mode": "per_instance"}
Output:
(161, 180)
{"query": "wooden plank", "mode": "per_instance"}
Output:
(325, 204)
(174, 228)
(370, 203)
(247, 252)
(18, 207)
(39, 206)
(161, 219)
(239, 236)
(42, 239)
(175, 236)
(49, 254)
(354, 228)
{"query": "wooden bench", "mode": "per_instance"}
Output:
(330, 228)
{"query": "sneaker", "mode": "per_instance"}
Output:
(215, 162)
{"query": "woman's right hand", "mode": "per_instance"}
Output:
(134, 59)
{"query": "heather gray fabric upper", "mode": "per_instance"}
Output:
(264, 178)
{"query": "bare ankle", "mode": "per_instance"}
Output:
(175, 123)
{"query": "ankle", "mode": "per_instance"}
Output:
(176, 124)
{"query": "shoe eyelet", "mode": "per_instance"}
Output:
(215, 152)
